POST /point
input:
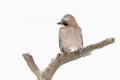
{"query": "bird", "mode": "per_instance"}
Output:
(70, 35)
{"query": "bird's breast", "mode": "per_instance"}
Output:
(69, 38)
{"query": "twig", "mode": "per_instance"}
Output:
(30, 62)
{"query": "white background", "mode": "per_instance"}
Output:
(29, 26)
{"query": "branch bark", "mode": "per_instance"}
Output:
(30, 62)
(62, 59)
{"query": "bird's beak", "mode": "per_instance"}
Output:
(60, 23)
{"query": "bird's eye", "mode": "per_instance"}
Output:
(65, 23)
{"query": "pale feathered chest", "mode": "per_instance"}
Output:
(70, 37)
(69, 33)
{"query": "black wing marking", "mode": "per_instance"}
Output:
(61, 45)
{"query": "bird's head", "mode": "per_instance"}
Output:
(68, 21)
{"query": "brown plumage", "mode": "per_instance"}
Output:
(70, 35)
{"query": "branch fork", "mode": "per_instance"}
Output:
(61, 59)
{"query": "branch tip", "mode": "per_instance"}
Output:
(26, 55)
(111, 40)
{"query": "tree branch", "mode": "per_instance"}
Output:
(30, 62)
(62, 59)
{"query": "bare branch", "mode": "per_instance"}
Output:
(64, 58)
(30, 62)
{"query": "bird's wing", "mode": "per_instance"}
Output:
(80, 33)
(61, 45)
